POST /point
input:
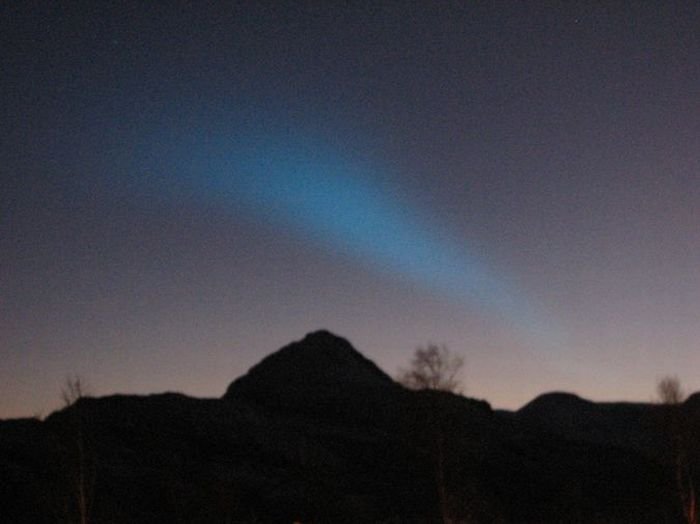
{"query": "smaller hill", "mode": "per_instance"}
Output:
(619, 424)
(556, 403)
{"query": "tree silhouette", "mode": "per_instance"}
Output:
(669, 391)
(436, 368)
(73, 390)
(433, 367)
(671, 396)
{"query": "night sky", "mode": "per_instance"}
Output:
(187, 188)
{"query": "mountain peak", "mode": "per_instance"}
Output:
(320, 366)
(323, 335)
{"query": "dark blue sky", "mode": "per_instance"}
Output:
(186, 188)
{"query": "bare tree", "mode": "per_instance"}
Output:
(74, 389)
(669, 391)
(437, 368)
(671, 396)
(433, 367)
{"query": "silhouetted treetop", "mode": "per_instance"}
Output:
(433, 367)
(670, 391)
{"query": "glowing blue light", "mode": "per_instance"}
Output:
(296, 183)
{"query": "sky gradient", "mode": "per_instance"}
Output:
(187, 188)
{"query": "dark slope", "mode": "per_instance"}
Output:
(28, 465)
(172, 458)
(316, 432)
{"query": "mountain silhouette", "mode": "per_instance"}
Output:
(322, 376)
(319, 358)
(316, 432)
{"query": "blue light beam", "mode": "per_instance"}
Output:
(343, 205)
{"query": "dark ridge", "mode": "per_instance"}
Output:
(628, 425)
(317, 433)
(556, 400)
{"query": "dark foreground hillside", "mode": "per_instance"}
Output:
(317, 433)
